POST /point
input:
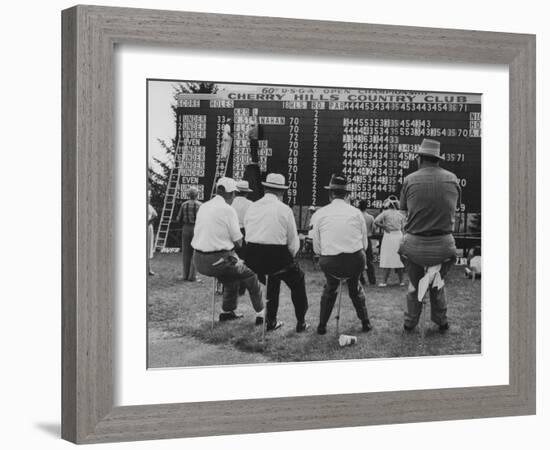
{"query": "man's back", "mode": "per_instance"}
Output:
(339, 228)
(216, 227)
(429, 196)
(270, 221)
(187, 214)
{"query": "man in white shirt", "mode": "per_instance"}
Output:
(272, 244)
(340, 238)
(241, 203)
(216, 235)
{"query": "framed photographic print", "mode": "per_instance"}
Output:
(298, 218)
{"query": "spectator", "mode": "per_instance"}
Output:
(392, 222)
(187, 215)
(340, 237)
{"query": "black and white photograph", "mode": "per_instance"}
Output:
(307, 223)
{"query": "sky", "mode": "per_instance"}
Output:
(162, 122)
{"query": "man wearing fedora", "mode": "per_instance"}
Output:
(272, 244)
(217, 234)
(340, 238)
(429, 196)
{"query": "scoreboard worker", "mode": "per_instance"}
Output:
(340, 237)
(216, 236)
(430, 196)
(272, 244)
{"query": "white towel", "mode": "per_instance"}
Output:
(432, 277)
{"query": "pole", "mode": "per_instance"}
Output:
(214, 283)
(340, 290)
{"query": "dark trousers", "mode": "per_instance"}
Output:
(241, 254)
(187, 234)
(438, 298)
(295, 280)
(371, 275)
(230, 271)
(370, 264)
(277, 264)
(348, 265)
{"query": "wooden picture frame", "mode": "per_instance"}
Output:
(89, 34)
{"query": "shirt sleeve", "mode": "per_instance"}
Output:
(233, 225)
(459, 199)
(364, 233)
(180, 213)
(316, 237)
(403, 197)
(292, 234)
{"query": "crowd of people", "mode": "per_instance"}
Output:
(245, 244)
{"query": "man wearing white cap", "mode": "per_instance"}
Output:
(429, 196)
(340, 238)
(217, 234)
(272, 244)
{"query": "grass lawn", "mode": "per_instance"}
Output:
(179, 323)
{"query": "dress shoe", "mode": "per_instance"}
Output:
(301, 327)
(229, 315)
(321, 329)
(444, 328)
(259, 320)
(274, 326)
(366, 326)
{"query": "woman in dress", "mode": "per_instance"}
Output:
(392, 221)
(151, 216)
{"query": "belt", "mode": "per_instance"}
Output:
(215, 251)
(431, 233)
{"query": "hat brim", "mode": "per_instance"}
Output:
(420, 152)
(274, 186)
(244, 190)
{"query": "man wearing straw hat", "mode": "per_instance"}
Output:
(272, 244)
(429, 196)
(241, 203)
(340, 238)
(216, 236)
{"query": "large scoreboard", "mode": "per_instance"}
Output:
(308, 133)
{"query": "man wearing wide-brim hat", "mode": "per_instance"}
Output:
(340, 238)
(272, 244)
(429, 196)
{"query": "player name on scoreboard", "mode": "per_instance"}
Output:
(310, 133)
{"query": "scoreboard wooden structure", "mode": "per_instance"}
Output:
(308, 133)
